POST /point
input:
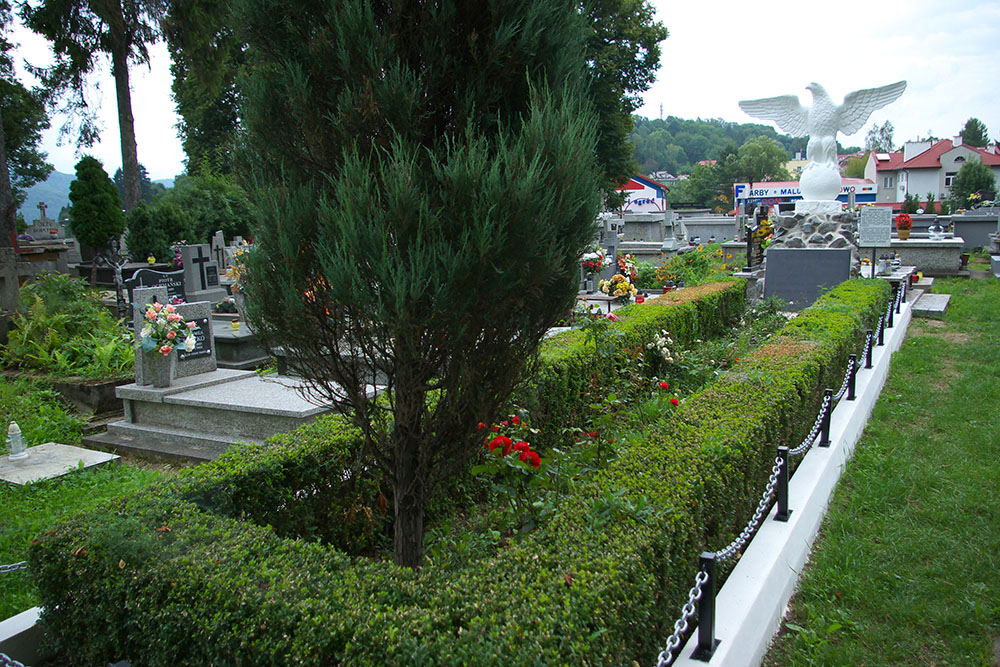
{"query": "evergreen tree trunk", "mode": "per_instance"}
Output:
(7, 209)
(126, 122)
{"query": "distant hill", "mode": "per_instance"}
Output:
(54, 192)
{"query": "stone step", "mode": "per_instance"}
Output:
(931, 305)
(160, 443)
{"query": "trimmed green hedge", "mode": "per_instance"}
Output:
(167, 582)
(555, 393)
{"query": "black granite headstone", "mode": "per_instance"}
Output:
(202, 342)
(800, 275)
(172, 280)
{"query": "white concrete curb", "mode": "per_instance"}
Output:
(750, 606)
(19, 636)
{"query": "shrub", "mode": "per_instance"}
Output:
(65, 331)
(174, 583)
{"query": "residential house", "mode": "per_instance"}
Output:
(924, 167)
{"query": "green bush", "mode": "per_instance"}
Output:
(65, 331)
(173, 583)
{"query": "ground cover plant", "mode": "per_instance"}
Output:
(64, 331)
(590, 584)
(706, 263)
(29, 510)
(906, 566)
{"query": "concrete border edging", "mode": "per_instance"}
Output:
(751, 604)
(20, 636)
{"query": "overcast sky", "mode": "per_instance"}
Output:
(717, 54)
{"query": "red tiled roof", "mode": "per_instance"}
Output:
(931, 158)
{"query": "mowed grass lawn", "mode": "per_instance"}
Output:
(906, 570)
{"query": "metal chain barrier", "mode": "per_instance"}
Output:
(817, 425)
(14, 567)
(737, 545)
(7, 661)
(668, 654)
(847, 378)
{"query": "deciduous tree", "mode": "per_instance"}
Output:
(425, 184)
(22, 120)
(80, 32)
(974, 176)
(879, 138)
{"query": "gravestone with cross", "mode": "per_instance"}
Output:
(201, 275)
(201, 359)
(44, 227)
(219, 249)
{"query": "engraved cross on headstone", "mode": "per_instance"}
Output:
(200, 262)
(41, 210)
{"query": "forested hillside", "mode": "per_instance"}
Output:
(676, 145)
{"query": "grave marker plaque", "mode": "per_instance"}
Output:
(875, 227)
(202, 345)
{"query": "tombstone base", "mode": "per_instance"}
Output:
(806, 207)
(213, 296)
(51, 460)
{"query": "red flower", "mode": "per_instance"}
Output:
(481, 426)
(524, 455)
(737, 359)
(522, 446)
(505, 423)
(507, 446)
(515, 420)
(534, 459)
(496, 428)
(674, 401)
(664, 385)
(593, 434)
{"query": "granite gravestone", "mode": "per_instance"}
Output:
(172, 280)
(800, 275)
(201, 275)
(219, 249)
(201, 359)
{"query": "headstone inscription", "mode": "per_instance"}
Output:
(199, 360)
(173, 281)
(201, 275)
(799, 275)
(875, 227)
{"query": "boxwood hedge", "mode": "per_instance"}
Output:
(191, 573)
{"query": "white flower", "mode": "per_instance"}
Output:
(146, 332)
(189, 343)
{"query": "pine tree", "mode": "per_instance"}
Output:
(96, 210)
(425, 181)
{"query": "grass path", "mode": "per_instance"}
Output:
(906, 570)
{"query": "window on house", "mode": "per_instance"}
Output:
(888, 182)
(948, 178)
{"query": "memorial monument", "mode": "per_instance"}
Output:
(820, 183)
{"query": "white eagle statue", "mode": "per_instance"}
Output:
(821, 178)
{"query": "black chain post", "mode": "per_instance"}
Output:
(906, 290)
(881, 331)
(824, 433)
(889, 323)
(853, 361)
(706, 611)
(868, 348)
(783, 512)
(900, 296)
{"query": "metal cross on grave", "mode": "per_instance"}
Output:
(41, 209)
(200, 262)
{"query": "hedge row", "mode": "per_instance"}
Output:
(170, 583)
(555, 394)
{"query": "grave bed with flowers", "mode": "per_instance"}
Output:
(257, 559)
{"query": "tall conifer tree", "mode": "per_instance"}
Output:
(426, 183)
(96, 214)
